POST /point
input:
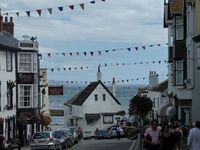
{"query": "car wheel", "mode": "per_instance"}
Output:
(69, 144)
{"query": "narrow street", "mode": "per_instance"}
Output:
(106, 144)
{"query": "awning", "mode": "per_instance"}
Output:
(92, 116)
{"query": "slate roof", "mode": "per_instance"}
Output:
(81, 97)
(8, 42)
(163, 86)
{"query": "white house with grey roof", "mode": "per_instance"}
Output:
(94, 107)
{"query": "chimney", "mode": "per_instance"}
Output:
(153, 79)
(114, 88)
(8, 26)
(99, 73)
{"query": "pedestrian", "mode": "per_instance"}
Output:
(166, 138)
(152, 137)
(96, 133)
(118, 130)
(193, 141)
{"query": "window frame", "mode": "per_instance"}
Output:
(179, 71)
(104, 97)
(179, 28)
(25, 95)
(28, 65)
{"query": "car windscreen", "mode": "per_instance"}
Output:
(41, 135)
(59, 134)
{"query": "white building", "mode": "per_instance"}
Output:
(94, 107)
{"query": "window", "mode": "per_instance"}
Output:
(25, 95)
(96, 97)
(179, 28)
(179, 72)
(108, 119)
(9, 61)
(154, 102)
(104, 97)
(25, 62)
(35, 67)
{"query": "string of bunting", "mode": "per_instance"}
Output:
(49, 10)
(92, 53)
(108, 82)
(108, 65)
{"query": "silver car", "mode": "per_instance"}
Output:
(45, 140)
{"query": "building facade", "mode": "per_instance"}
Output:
(182, 20)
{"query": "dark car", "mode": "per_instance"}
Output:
(103, 134)
(64, 138)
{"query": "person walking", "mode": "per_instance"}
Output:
(193, 141)
(166, 138)
(152, 137)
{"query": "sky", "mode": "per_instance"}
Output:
(113, 24)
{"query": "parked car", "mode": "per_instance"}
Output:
(74, 132)
(64, 137)
(45, 140)
(70, 134)
(103, 134)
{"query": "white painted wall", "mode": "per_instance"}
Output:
(90, 106)
(4, 77)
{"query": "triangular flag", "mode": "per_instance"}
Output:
(159, 62)
(91, 53)
(28, 13)
(158, 44)
(6, 14)
(77, 53)
(143, 47)
(153, 62)
(81, 68)
(136, 48)
(106, 51)
(39, 11)
(63, 54)
(114, 50)
(85, 53)
(92, 2)
(49, 54)
(82, 6)
(129, 49)
(57, 53)
(17, 13)
(58, 69)
(70, 54)
(99, 52)
(64, 69)
(103, 0)
(52, 69)
(71, 7)
(75, 68)
(70, 69)
(50, 10)
(150, 45)
(105, 64)
(60, 8)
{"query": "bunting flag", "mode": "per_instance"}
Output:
(107, 51)
(108, 65)
(50, 10)
(71, 7)
(60, 8)
(28, 13)
(39, 11)
(82, 6)
(109, 82)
